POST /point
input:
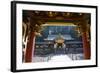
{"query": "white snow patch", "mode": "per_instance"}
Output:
(60, 58)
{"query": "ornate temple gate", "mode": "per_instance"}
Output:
(35, 28)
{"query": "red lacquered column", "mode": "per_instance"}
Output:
(86, 46)
(30, 48)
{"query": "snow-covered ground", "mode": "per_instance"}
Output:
(58, 58)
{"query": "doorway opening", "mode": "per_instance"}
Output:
(58, 40)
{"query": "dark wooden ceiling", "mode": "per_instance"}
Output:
(51, 16)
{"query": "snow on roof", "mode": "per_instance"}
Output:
(66, 37)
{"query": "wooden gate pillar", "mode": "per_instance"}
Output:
(86, 43)
(30, 47)
(86, 46)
